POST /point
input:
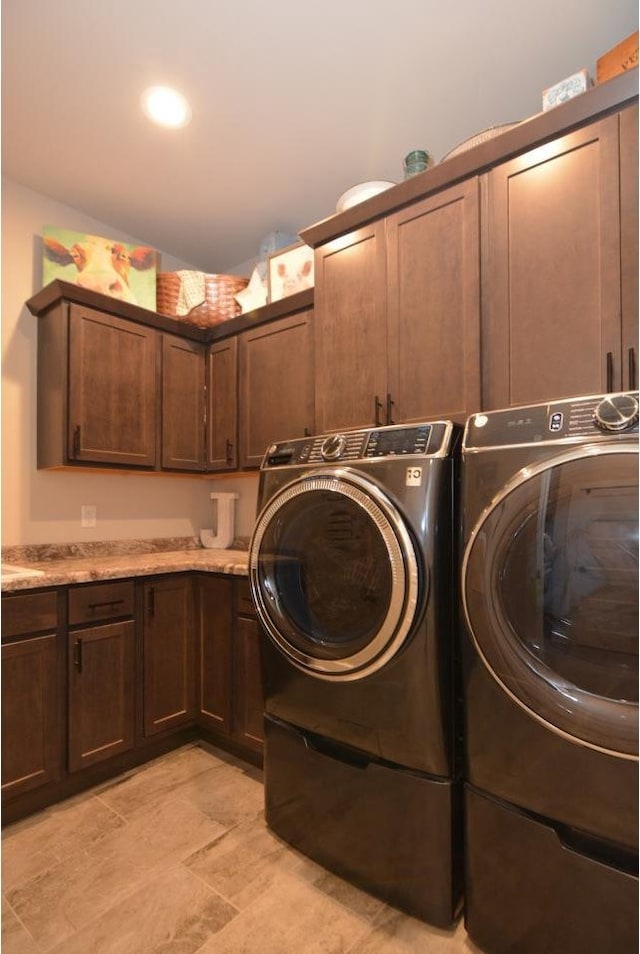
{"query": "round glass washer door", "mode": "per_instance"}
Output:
(334, 575)
(550, 594)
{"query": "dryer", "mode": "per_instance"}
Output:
(550, 660)
(352, 567)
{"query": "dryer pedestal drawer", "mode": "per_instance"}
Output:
(527, 891)
(384, 829)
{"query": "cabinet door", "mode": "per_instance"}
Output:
(168, 654)
(112, 390)
(214, 672)
(433, 311)
(249, 695)
(101, 693)
(350, 305)
(222, 405)
(276, 384)
(31, 696)
(629, 243)
(183, 390)
(552, 255)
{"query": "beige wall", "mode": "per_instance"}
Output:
(42, 506)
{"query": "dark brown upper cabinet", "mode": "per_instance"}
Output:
(398, 316)
(433, 307)
(183, 404)
(350, 309)
(552, 260)
(147, 392)
(629, 244)
(276, 384)
(96, 389)
(222, 405)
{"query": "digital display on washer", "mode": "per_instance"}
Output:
(403, 440)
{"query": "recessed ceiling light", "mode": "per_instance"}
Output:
(166, 106)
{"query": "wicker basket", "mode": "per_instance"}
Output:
(219, 304)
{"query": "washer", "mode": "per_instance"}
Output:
(550, 660)
(351, 569)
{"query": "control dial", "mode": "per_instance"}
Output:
(617, 413)
(333, 446)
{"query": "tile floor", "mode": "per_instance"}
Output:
(175, 858)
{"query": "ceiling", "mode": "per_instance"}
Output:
(293, 102)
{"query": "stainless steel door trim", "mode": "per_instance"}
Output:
(526, 473)
(403, 563)
(606, 440)
(523, 476)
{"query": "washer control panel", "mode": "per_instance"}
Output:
(617, 413)
(599, 416)
(424, 440)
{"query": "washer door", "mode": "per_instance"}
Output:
(334, 574)
(550, 591)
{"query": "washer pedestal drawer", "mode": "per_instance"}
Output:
(387, 830)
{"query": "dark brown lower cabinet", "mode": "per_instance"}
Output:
(31, 698)
(249, 698)
(139, 667)
(32, 692)
(101, 693)
(247, 683)
(215, 610)
(168, 653)
(230, 700)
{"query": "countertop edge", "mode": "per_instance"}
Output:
(71, 571)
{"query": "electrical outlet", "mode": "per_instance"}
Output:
(88, 515)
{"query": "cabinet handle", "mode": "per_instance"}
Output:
(377, 407)
(151, 602)
(77, 654)
(632, 369)
(307, 432)
(96, 606)
(609, 370)
(229, 451)
(76, 440)
(390, 405)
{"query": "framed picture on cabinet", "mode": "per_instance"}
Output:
(289, 270)
(103, 265)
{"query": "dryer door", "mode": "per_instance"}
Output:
(550, 591)
(334, 574)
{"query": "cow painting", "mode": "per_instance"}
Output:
(127, 272)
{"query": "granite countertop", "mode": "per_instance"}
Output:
(64, 564)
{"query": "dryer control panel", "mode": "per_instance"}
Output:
(602, 416)
(434, 439)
